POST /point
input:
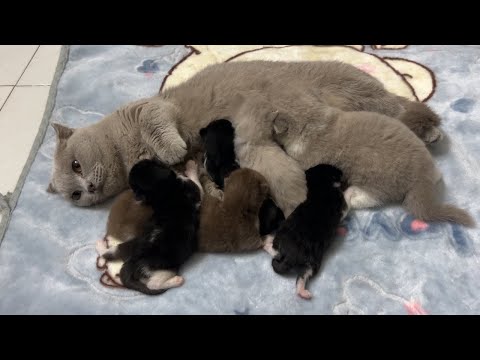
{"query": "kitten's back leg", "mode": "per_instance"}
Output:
(270, 217)
(268, 245)
(122, 251)
(163, 279)
(301, 283)
(135, 275)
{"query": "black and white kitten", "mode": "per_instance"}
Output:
(302, 239)
(170, 237)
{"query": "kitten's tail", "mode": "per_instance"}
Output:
(421, 202)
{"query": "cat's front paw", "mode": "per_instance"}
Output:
(173, 153)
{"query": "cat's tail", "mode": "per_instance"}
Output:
(421, 202)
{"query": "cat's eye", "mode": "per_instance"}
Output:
(76, 195)
(76, 167)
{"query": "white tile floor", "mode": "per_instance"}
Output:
(26, 72)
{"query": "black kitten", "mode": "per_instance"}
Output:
(170, 238)
(301, 241)
(217, 139)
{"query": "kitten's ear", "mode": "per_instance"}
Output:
(51, 189)
(280, 125)
(63, 132)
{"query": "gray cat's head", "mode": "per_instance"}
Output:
(86, 170)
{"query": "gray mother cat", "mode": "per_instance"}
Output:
(91, 164)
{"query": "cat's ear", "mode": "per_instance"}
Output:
(51, 189)
(63, 132)
(280, 125)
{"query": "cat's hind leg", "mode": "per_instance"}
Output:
(422, 120)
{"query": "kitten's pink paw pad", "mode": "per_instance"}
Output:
(304, 294)
(342, 231)
(101, 262)
(114, 277)
(178, 281)
(414, 308)
(418, 225)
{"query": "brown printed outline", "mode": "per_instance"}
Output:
(286, 46)
(432, 74)
(192, 51)
(399, 74)
(374, 47)
(104, 281)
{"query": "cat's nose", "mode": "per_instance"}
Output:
(91, 188)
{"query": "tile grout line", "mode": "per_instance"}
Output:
(24, 85)
(23, 72)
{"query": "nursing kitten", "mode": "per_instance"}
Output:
(219, 156)
(301, 241)
(170, 237)
(382, 160)
(92, 164)
(237, 223)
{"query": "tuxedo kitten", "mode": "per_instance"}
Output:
(170, 236)
(301, 241)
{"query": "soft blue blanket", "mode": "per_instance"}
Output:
(386, 264)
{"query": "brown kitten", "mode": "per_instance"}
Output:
(127, 218)
(232, 225)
